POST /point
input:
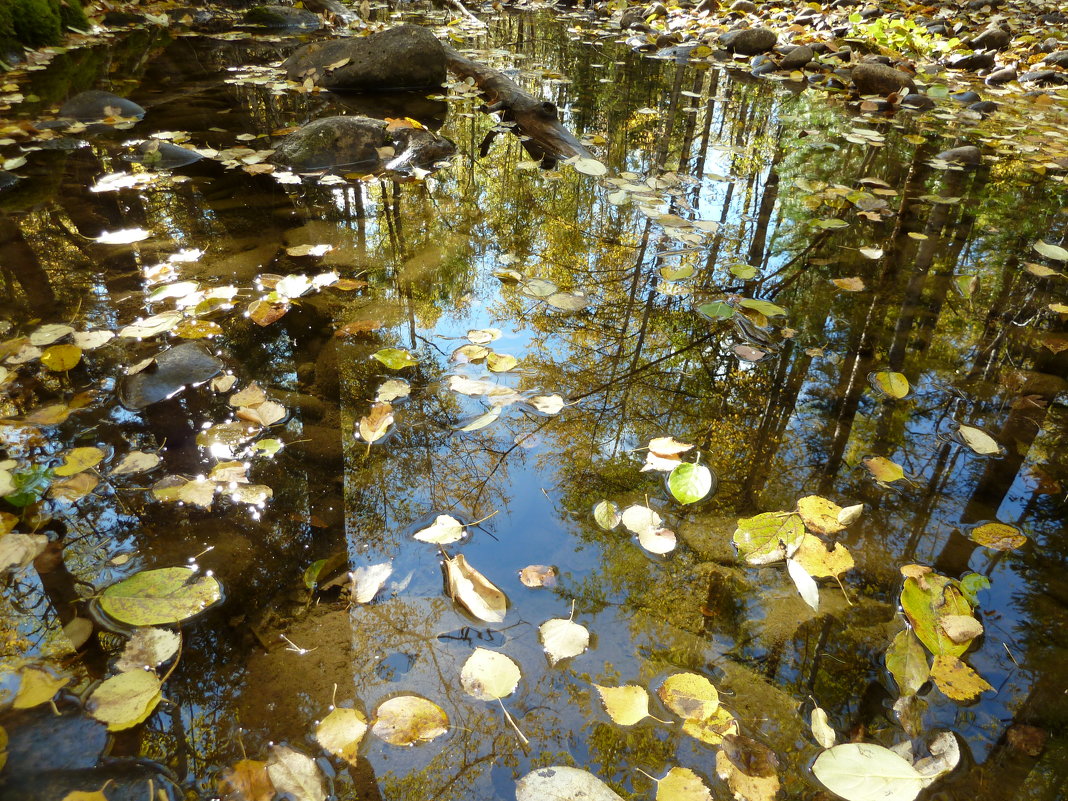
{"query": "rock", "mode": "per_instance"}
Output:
(354, 142)
(633, 17)
(966, 97)
(917, 102)
(762, 65)
(1044, 77)
(706, 7)
(98, 105)
(1003, 75)
(405, 57)
(7, 179)
(879, 79)
(797, 58)
(1058, 59)
(749, 41)
(159, 155)
(991, 39)
(282, 17)
(975, 61)
(173, 370)
(984, 107)
(656, 10)
(967, 154)
(744, 6)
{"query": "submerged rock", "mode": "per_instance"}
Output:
(405, 57)
(159, 155)
(967, 154)
(355, 142)
(282, 17)
(879, 79)
(173, 370)
(98, 105)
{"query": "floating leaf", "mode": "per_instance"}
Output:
(659, 541)
(626, 705)
(409, 720)
(489, 675)
(765, 307)
(37, 686)
(716, 310)
(907, 662)
(978, 440)
(197, 329)
(883, 469)
(368, 580)
(682, 784)
(871, 253)
(971, 584)
(79, 459)
(560, 783)
(588, 166)
(925, 606)
(748, 767)
(821, 729)
(668, 446)
(263, 414)
(19, 550)
(1055, 252)
(265, 312)
(341, 732)
(607, 515)
(639, 519)
(473, 591)
(867, 772)
(248, 780)
(73, 489)
(395, 358)
(124, 236)
(501, 362)
(768, 537)
(850, 514)
(893, 385)
(479, 420)
(60, 358)
(743, 271)
(470, 353)
(956, 680)
(375, 425)
(151, 326)
(47, 334)
(442, 531)
(852, 284)
(165, 595)
(483, 336)
(538, 576)
(296, 774)
(563, 638)
(136, 462)
(547, 404)
(806, 585)
(820, 515)
(568, 301)
(689, 695)
(999, 536)
(148, 648)
(125, 700)
(690, 483)
(960, 628)
(392, 389)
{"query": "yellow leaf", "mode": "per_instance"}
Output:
(682, 784)
(999, 536)
(60, 358)
(689, 695)
(37, 686)
(819, 514)
(489, 675)
(883, 469)
(956, 679)
(817, 561)
(375, 425)
(340, 733)
(474, 591)
(79, 459)
(409, 719)
(125, 700)
(626, 705)
(247, 780)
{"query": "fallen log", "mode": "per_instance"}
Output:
(536, 122)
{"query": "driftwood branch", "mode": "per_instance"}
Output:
(536, 121)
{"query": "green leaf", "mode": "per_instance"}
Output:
(321, 568)
(1055, 252)
(717, 310)
(166, 595)
(893, 385)
(907, 662)
(867, 772)
(765, 307)
(689, 483)
(768, 537)
(971, 584)
(607, 515)
(395, 358)
(743, 271)
(926, 604)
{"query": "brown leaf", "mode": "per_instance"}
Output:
(375, 425)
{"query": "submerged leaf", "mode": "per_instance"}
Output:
(607, 515)
(296, 774)
(907, 662)
(395, 358)
(37, 686)
(165, 595)
(341, 732)
(248, 780)
(690, 483)
(125, 700)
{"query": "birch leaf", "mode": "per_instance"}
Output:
(867, 772)
(956, 679)
(806, 585)
(489, 675)
(626, 705)
(978, 440)
(408, 720)
(148, 648)
(125, 700)
(563, 638)
(682, 784)
(821, 729)
(607, 515)
(136, 462)
(367, 581)
(248, 780)
(294, 773)
(341, 732)
(442, 531)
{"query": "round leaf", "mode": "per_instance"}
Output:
(60, 358)
(126, 699)
(395, 358)
(689, 483)
(682, 784)
(999, 536)
(442, 531)
(867, 772)
(79, 459)
(340, 733)
(408, 720)
(488, 675)
(563, 638)
(166, 595)
(626, 705)
(689, 696)
(893, 385)
(607, 515)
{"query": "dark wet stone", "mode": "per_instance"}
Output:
(7, 179)
(1056, 18)
(979, 5)
(120, 19)
(749, 41)
(657, 10)
(173, 370)
(1003, 75)
(165, 155)
(707, 6)
(879, 79)
(984, 107)
(967, 154)
(764, 66)
(917, 101)
(975, 61)
(98, 105)
(1058, 59)
(666, 40)
(991, 39)
(633, 17)
(1044, 77)
(797, 58)
(282, 17)
(744, 6)
(938, 28)
(40, 741)
(966, 97)
(405, 57)
(124, 780)
(333, 142)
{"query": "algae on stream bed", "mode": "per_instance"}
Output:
(799, 290)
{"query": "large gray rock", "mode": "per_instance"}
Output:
(98, 105)
(879, 79)
(1058, 59)
(966, 154)
(173, 370)
(354, 142)
(991, 39)
(749, 41)
(282, 17)
(405, 57)
(797, 58)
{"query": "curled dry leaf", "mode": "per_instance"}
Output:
(409, 720)
(806, 585)
(960, 628)
(473, 591)
(148, 648)
(375, 425)
(821, 728)
(538, 576)
(668, 446)
(263, 414)
(367, 581)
